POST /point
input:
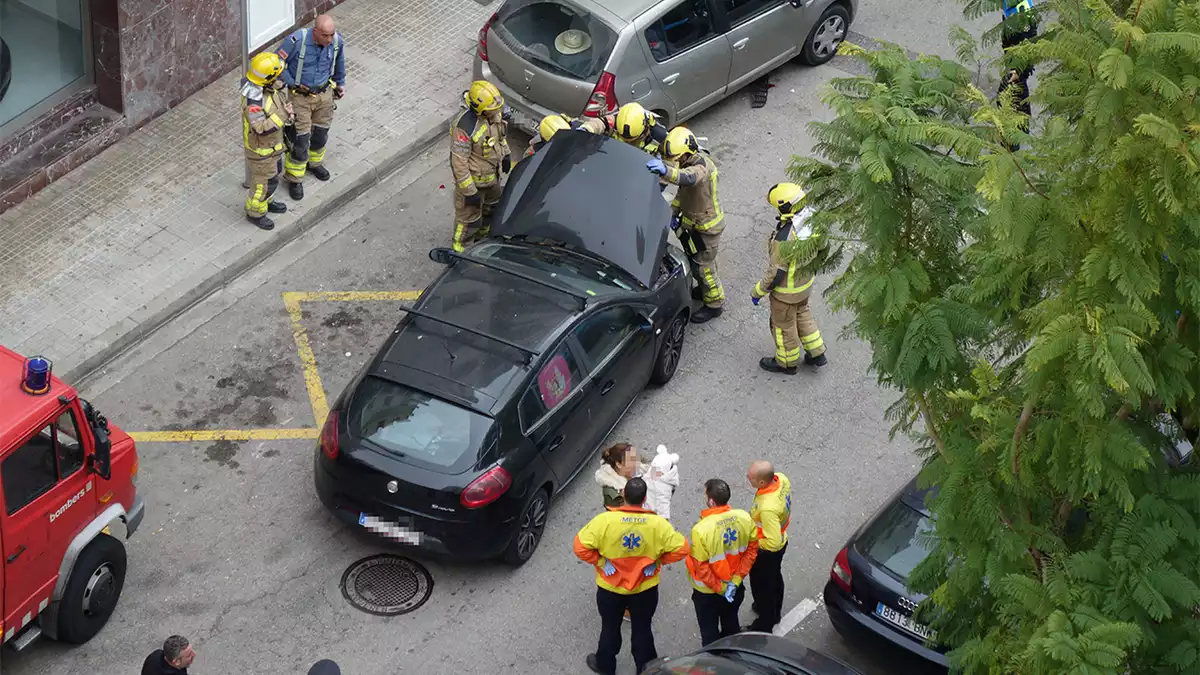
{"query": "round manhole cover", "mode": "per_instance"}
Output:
(387, 585)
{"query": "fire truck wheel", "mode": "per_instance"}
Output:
(92, 591)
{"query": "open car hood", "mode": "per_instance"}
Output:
(591, 193)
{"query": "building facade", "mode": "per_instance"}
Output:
(77, 75)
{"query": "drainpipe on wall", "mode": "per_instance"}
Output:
(245, 66)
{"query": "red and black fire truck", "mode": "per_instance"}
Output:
(67, 482)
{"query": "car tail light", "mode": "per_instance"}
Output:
(487, 488)
(482, 48)
(604, 97)
(840, 572)
(329, 436)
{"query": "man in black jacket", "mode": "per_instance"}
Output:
(173, 659)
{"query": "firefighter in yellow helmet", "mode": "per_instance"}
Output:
(552, 124)
(478, 156)
(266, 110)
(638, 127)
(699, 219)
(789, 283)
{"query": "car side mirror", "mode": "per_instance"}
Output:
(441, 255)
(645, 322)
(102, 457)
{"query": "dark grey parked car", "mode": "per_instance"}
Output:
(751, 654)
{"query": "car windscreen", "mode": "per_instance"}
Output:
(556, 35)
(556, 266)
(413, 424)
(897, 539)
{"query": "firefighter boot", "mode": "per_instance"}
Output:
(296, 190)
(697, 293)
(706, 314)
(818, 361)
(769, 364)
(262, 222)
(320, 172)
(277, 207)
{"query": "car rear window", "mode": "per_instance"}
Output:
(411, 423)
(557, 36)
(897, 539)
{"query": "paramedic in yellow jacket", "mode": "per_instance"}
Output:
(724, 546)
(478, 155)
(628, 545)
(552, 124)
(772, 513)
(699, 219)
(789, 284)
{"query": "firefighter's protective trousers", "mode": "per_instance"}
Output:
(478, 147)
(701, 222)
(263, 121)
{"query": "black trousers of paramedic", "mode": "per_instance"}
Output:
(717, 616)
(766, 584)
(612, 608)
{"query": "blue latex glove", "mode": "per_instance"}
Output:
(730, 591)
(675, 222)
(755, 300)
(608, 568)
(656, 166)
(650, 569)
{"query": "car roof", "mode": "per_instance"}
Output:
(627, 10)
(591, 193)
(916, 498)
(781, 649)
(418, 353)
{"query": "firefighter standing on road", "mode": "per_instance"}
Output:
(724, 546)
(699, 219)
(628, 545)
(789, 284)
(265, 113)
(478, 154)
(772, 513)
(552, 124)
(316, 76)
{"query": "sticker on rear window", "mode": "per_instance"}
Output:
(554, 381)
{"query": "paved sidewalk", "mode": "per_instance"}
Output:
(155, 223)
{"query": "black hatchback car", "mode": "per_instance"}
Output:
(867, 595)
(498, 386)
(751, 654)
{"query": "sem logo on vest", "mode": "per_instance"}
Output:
(70, 502)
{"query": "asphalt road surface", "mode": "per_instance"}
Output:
(237, 553)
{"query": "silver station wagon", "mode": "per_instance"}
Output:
(675, 57)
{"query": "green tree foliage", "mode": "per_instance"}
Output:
(1038, 312)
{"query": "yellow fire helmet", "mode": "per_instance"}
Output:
(680, 142)
(552, 124)
(264, 68)
(786, 197)
(484, 96)
(632, 121)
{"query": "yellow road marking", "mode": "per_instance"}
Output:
(224, 435)
(308, 363)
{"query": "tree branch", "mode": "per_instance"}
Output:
(1125, 411)
(923, 406)
(1022, 425)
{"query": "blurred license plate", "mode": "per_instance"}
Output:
(394, 531)
(897, 619)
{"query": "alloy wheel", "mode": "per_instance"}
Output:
(829, 36)
(533, 523)
(674, 346)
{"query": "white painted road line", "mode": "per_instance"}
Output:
(798, 614)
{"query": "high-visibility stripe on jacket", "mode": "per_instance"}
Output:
(262, 126)
(630, 538)
(696, 201)
(724, 546)
(772, 513)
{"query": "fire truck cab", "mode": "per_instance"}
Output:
(67, 482)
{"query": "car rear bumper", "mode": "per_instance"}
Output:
(527, 113)
(458, 542)
(853, 623)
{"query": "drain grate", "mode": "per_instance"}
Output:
(387, 585)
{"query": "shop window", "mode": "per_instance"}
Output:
(42, 52)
